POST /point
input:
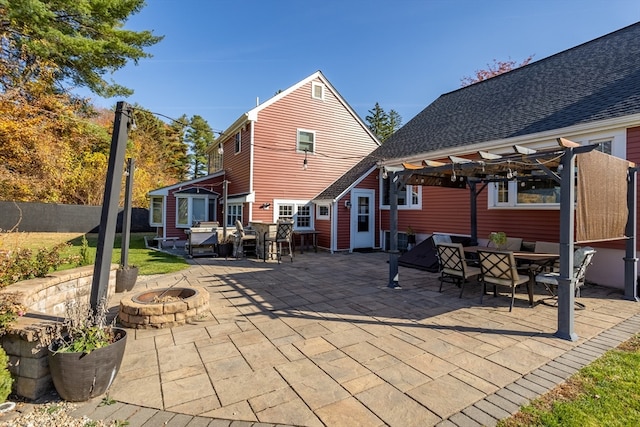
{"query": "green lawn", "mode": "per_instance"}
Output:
(148, 260)
(605, 393)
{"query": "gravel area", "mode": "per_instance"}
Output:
(50, 412)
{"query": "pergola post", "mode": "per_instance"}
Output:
(566, 281)
(394, 254)
(630, 259)
(474, 212)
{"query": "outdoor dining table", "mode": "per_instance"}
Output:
(313, 241)
(539, 258)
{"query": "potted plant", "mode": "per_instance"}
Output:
(499, 239)
(85, 358)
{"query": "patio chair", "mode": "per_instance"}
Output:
(453, 266)
(582, 258)
(284, 234)
(499, 268)
(441, 238)
(246, 240)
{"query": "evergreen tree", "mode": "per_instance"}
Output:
(78, 40)
(383, 125)
(199, 136)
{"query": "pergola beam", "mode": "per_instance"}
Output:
(492, 168)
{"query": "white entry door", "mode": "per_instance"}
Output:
(362, 218)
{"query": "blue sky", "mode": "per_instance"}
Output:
(219, 56)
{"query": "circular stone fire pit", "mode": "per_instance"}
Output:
(163, 308)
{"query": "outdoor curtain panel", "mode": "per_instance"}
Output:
(601, 212)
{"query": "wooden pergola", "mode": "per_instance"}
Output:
(476, 171)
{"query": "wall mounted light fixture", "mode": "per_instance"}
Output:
(347, 204)
(265, 206)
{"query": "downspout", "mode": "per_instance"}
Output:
(251, 168)
(333, 245)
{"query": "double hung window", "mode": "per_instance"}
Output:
(301, 212)
(409, 196)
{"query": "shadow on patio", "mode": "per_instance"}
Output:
(323, 341)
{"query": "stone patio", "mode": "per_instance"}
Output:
(323, 342)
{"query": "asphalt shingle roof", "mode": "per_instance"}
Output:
(593, 81)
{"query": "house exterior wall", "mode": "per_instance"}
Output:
(323, 227)
(447, 210)
(270, 168)
(343, 235)
(170, 210)
(340, 142)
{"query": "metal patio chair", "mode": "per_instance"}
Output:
(246, 240)
(582, 258)
(499, 268)
(453, 266)
(284, 234)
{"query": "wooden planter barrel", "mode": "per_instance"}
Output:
(78, 377)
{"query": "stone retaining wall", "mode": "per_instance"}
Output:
(25, 342)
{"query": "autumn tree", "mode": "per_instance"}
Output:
(495, 69)
(383, 124)
(78, 42)
(50, 150)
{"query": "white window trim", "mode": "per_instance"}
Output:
(618, 148)
(314, 85)
(226, 214)
(162, 211)
(319, 215)
(295, 204)
(298, 140)
(190, 199)
(492, 197)
(237, 143)
(409, 205)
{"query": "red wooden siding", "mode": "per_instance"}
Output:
(323, 226)
(448, 210)
(343, 238)
(340, 142)
(214, 184)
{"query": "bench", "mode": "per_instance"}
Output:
(162, 240)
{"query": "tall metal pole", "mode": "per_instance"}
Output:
(474, 212)
(224, 210)
(109, 216)
(631, 259)
(566, 281)
(394, 254)
(126, 214)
